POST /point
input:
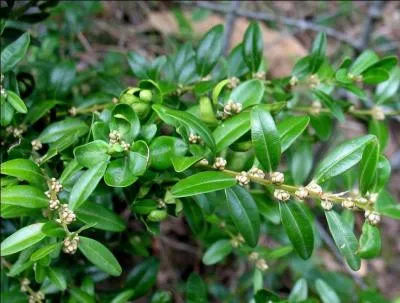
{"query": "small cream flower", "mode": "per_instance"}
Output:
(194, 139)
(114, 137)
(233, 82)
(67, 216)
(358, 78)
(373, 217)
(254, 256)
(372, 197)
(377, 113)
(54, 204)
(281, 195)
(204, 161)
(315, 107)
(219, 163)
(314, 188)
(293, 81)
(277, 177)
(313, 81)
(243, 178)
(73, 111)
(70, 244)
(348, 203)
(55, 185)
(232, 108)
(326, 204)
(259, 75)
(161, 203)
(256, 172)
(261, 264)
(301, 193)
(125, 146)
(36, 144)
(25, 284)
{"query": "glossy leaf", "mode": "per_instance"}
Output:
(125, 121)
(298, 228)
(202, 182)
(343, 157)
(22, 239)
(16, 102)
(24, 196)
(44, 251)
(244, 213)
(265, 138)
(253, 46)
(196, 291)
(370, 242)
(57, 276)
(118, 173)
(365, 60)
(14, 52)
(368, 166)
(100, 256)
(63, 128)
(299, 291)
(209, 50)
(217, 252)
(183, 163)
(388, 206)
(318, 52)
(143, 277)
(381, 131)
(326, 293)
(383, 171)
(85, 185)
(375, 76)
(344, 238)
(23, 169)
(92, 153)
(290, 129)
(330, 103)
(163, 149)
(248, 93)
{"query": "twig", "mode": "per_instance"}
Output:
(328, 241)
(229, 24)
(305, 25)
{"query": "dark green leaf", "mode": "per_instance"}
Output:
(326, 293)
(118, 173)
(244, 213)
(92, 153)
(388, 206)
(383, 171)
(196, 291)
(100, 256)
(290, 129)
(364, 61)
(375, 76)
(24, 195)
(14, 52)
(330, 103)
(202, 182)
(23, 169)
(143, 277)
(370, 242)
(183, 163)
(209, 50)
(368, 165)
(301, 162)
(163, 149)
(217, 252)
(265, 138)
(298, 228)
(81, 296)
(125, 121)
(45, 251)
(266, 296)
(16, 102)
(57, 276)
(64, 128)
(322, 125)
(253, 46)
(318, 52)
(248, 93)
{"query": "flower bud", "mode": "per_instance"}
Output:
(301, 193)
(36, 144)
(219, 163)
(326, 205)
(277, 177)
(256, 172)
(373, 217)
(261, 264)
(281, 195)
(146, 95)
(157, 215)
(70, 244)
(243, 178)
(348, 203)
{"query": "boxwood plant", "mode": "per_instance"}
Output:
(259, 168)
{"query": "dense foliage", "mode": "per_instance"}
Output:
(90, 169)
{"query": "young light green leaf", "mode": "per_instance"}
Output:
(217, 252)
(231, 130)
(202, 182)
(14, 52)
(57, 276)
(104, 218)
(298, 228)
(248, 93)
(244, 213)
(253, 46)
(209, 50)
(24, 169)
(45, 251)
(24, 195)
(22, 238)
(387, 205)
(16, 102)
(343, 157)
(196, 291)
(92, 153)
(86, 184)
(299, 291)
(183, 163)
(368, 165)
(290, 129)
(326, 293)
(370, 242)
(125, 121)
(344, 238)
(124, 296)
(364, 61)
(118, 173)
(265, 138)
(163, 149)
(99, 255)
(375, 76)
(177, 118)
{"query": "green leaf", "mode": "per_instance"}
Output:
(290, 129)
(81, 296)
(302, 67)
(244, 214)
(364, 61)
(299, 291)
(301, 161)
(248, 93)
(104, 218)
(253, 46)
(143, 277)
(380, 130)
(118, 173)
(266, 296)
(39, 109)
(23, 169)
(368, 165)
(183, 163)
(45, 251)
(331, 104)
(342, 158)
(124, 296)
(14, 52)
(53, 229)
(62, 78)
(217, 252)
(370, 242)
(16, 102)
(64, 128)
(298, 228)
(196, 291)
(265, 138)
(92, 153)
(375, 76)
(178, 118)
(322, 125)
(202, 182)
(387, 64)
(24, 195)
(318, 52)
(56, 275)
(326, 293)
(382, 175)
(209, 50)
(389, 88)
(125, 121)
(22, 238)
(231, 130)
(388, 206)
(344, 238)
(236, 64)
(100, 256)
(163, 149)
(85, 185)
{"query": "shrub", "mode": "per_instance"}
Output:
(87, 184)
